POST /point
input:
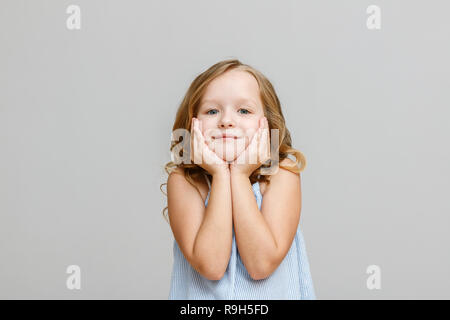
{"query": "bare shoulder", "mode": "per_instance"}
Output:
(178, 178)
(283, 176)
(177, 170)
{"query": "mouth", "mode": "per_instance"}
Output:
(227, 137)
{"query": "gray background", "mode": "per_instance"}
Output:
(86, 116)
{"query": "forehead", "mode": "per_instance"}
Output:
(231, 86)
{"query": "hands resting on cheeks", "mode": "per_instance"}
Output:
(256, 153)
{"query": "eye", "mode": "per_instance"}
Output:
(248, 112)
(207, 112)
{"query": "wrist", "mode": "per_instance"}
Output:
(238, 173)
(225, 171)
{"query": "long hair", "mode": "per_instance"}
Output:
(272, 111)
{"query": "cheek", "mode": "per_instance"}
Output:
(250, 132)
(207, 127)
(251, 126)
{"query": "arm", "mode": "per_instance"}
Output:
(264, 237)
(253, 235)
(212, 246)
(204, 235)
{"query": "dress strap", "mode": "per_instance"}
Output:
(207, 180)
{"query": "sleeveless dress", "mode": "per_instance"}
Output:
(290, 281)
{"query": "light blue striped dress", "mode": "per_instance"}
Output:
(290, 281)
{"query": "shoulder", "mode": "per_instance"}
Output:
(178, 180)
(285, 177)
(177, 170)
(287, 163)
(282, 176)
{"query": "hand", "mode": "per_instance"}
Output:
(201, 154)
(257, 152)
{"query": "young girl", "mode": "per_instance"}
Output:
(236, 227)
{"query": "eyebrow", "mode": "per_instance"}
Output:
(240, 100)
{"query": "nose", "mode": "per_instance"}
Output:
(226, 122)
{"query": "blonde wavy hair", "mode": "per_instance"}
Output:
(272, 111)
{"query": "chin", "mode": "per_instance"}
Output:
(229, 151)
(226, 156)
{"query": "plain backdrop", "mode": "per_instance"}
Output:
(86, 117)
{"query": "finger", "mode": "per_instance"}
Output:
(198, 147)
(198, 129)
(268, 139)
(265, 145)
(193, 127)
(252, 149)
(260, 144)
(202, 143)
(192, 140)
(199, 134)
(260, 138)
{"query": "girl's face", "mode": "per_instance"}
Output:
(231, 105)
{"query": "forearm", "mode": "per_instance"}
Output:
(212, 246)
(254, 238)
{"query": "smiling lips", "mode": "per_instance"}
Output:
(227, 136)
